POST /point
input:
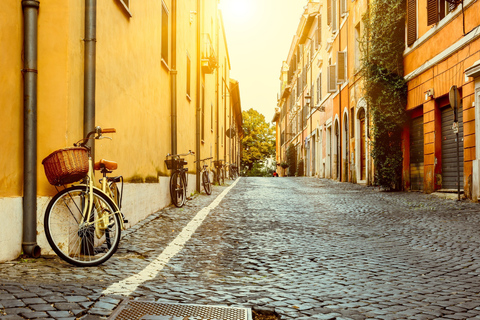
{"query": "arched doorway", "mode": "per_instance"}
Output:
(363, 147)
(346, 148)
(337, 158)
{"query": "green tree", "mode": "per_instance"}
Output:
(383, 44)
(258, 140)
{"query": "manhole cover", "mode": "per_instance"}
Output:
(136, 310)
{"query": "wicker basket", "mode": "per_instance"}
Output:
(66, 166)
(217, 163)
(175, 164)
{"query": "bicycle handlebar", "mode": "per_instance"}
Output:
(98, 132)
(202, 160)
(190, 152)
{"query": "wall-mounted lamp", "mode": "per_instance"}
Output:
(429, 94)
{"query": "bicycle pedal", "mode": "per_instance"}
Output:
(189, 198)
(125, 221)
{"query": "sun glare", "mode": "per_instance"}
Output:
(236, 9)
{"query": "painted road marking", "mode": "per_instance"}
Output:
(130, 284)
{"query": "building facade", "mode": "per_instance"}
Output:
(322, 113)
(442, 51)
(156, 71)
(321, 110)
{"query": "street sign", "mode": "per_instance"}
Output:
(454, 97)
(455, 127)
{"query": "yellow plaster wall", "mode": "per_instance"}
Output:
(60, 80)
(11, 100)
(133, 88)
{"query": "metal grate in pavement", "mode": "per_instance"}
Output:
(136, 310)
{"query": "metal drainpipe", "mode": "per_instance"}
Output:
(173, 74)
(30, 14)
(198, 108)
(89, 69)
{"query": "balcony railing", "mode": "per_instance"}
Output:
(209, 58)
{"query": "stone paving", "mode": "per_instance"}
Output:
(307, 248)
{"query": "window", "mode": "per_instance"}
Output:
(329, 12)
(343, 7)
(331, 77)
(411, 21)
(318, 33)
(438, 9)
(341, 67)
(319, 88)
(164, 34)
(334, 16)
(357, 47)
(189, 74)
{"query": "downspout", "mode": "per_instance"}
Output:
(217, 102)
(29, 242)
(173, 78)
(197, 114)
(89, 70)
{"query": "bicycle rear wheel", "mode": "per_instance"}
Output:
(80, 243)
(178, 190)
(222, 177)
(206, 183)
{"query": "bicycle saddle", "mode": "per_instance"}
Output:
(107, 164)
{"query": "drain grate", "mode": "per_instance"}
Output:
(136, 310)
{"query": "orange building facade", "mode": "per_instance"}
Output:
(442, 51)
(321, 110)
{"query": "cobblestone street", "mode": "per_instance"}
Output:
(307, 248)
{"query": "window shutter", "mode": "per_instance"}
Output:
(332, 83)
(432, 12)
(319, 29)
(343, 7)
(412, 22)
(319, 86)
(334, 15)
(329, 12)
(341, 67)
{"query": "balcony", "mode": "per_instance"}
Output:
(209, 59)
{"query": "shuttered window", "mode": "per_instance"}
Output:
(329, 12)
(332, 83)
(319, 30)
(343, 7)
(432, 12)
(341, 67)
(412, 21)
(334, 15)
(319, 88)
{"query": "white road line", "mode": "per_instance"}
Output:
(128, 285)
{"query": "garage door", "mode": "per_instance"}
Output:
(416, 154)
(449, 150)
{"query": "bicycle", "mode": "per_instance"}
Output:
(219, 175)
(179, 178)
(83, 223)
(205, 176)
(233, 171)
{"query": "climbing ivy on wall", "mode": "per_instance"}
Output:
(385, 89)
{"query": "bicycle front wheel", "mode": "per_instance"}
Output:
(222, 177)
(206, 183)
(178, 189)
(75, 240)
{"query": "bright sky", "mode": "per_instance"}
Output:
(259, 34)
